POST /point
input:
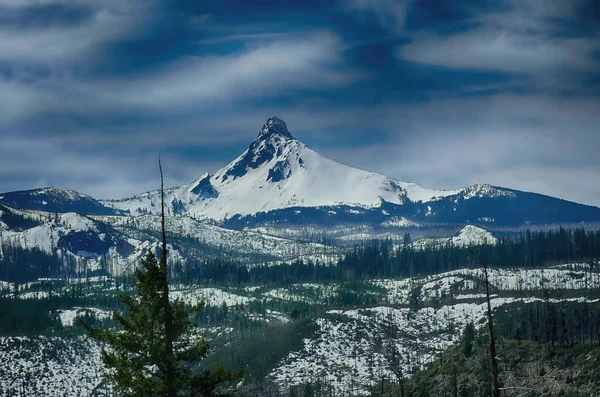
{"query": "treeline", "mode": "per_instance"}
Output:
(40, 316)
(375, 259)
(531, 249)
(19, 264)
(379, 258)
(564, 323)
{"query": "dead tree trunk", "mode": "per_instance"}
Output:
(170, 364)
(496, 386)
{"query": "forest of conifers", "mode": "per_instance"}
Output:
(376, 258)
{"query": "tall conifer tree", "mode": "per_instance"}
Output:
(153, 354)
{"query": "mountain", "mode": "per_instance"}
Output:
(278, 180)
(278, 171)
(51, 199)
(473, 235)
(467, 236)
(115, 244)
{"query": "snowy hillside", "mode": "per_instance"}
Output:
(117, 243)
(32, 366)
(68, 233)
(51, 199)
(239, 244)
(350, 347)
(467, 236)
(473, 235)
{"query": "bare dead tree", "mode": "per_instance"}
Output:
(171, 371)
(496, 387)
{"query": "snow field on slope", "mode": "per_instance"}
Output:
(241, 242)
(467, 236)
(473, 235)
(46, 236)
(349, 352)
(48, 365)
(352, 348)
(211, 297)
(433, 287)
(68, 316)
(306, 292)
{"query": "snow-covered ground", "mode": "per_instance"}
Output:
(68, 316)
(356, 349)
(452, 283)
(211, 296)
(56, 231)
(306, 292)
(241, 243)
(47, 235)
(467, 236)
(473, 235)
(49, 366)
(351, 350)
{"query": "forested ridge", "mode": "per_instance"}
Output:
(377, 258)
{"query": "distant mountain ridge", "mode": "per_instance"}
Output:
(51, 199)
(279, 181)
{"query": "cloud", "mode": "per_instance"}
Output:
(89, 97)
(530, 37)
(53, 44)
(528, 142)
(311, 61)
(498, 50)
(304, 62)
(389, 13)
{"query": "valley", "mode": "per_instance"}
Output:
(353, 335)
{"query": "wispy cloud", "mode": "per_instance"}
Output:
(529, 37)
(305, 62)
(389, 13)
(265, 70)
(55, 44)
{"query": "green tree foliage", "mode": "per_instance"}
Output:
(139, 362)
(154, 353)
(19, 264)
(468, 338)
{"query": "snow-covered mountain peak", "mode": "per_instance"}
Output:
(52, 199)
(280, 179)
(473, 235)
(279, 172)
(272, 141)
(274, 127)
(485, 190)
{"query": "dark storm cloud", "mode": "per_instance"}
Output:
(91, 91)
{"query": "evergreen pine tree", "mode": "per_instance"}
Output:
(153, 354)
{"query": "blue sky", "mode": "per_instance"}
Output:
(441, 93)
